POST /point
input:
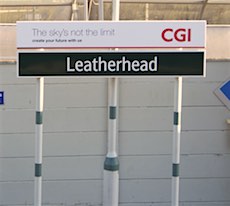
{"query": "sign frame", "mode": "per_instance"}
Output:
(45, 37)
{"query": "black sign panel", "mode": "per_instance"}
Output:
(111, 64)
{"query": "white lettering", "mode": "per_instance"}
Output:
(68, 69)
(98, 64)
(153, 65)
(78, 66)
(112, 66)
(125, 63)
(135, 66)
(87, 66)
(144, 66)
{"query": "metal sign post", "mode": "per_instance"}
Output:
(176, 140)
(38, 142)
(101, 10)
(111, 164)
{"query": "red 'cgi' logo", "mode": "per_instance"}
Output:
(180, 35)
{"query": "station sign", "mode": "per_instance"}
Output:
(110, 34)
(107, 64)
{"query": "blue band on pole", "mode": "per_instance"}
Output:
(175, 170)
(112, 112)
(39, 117)
(175, 118)
(38, 170)
(111, 164)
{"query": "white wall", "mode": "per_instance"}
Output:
(75, 129)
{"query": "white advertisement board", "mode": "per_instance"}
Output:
(111, 34)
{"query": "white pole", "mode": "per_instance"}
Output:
(176, 140)
(38, 142)
(74, 10)
(116, 10)
(100, 10)
(111, 164)
(86, 10)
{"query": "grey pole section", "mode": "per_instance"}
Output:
(111, 164)
(176, 140)
(38, 142)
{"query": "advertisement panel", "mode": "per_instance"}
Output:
(111, 34)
